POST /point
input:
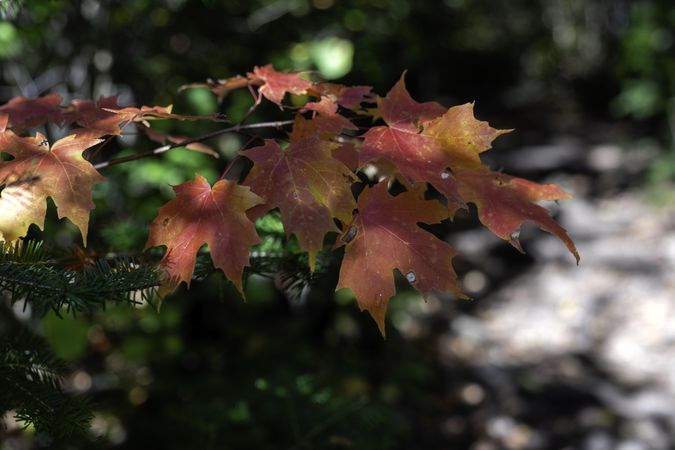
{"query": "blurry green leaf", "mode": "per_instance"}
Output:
(639, 98)
(10, 44)
(333, 56)
(270, 223)
(124, 235)
(200, 101)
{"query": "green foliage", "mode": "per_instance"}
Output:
(31, 378)
(645, 69)
(27, 274)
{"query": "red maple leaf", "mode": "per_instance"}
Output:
(146, 113)
(25, 113)
(505, 202)
(426, 141)
(96, 117)
(384, 236)
(221, 87)
(350, 97)
(306, 183)
(327, 128)
(201, 214)
(276, 84)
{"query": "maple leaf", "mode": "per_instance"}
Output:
(146, 113)
(385, 236)
(201, 214)
(276, 84)
(443, 149)
(326, 128)
(327, 123)
(348, 154)
(353, 96)
(20, 205)
(96, 117)
(424, 140)
(325, 106)
(221, 87)
(505, 202)
(401, 112)
(350, 97)
(25, 113)
(59, 172)
(307, 184)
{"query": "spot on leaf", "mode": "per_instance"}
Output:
(350, 234)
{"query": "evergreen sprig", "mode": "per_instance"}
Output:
(28, 274)
(31, 379)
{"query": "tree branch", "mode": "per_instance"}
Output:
(166, 148)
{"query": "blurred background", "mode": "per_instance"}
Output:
(547, 355)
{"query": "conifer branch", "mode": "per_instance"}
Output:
(31, 378)
(27, 274)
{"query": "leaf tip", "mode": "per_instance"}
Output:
(514, 240)
(573, 250)
(378, 314)
(312, 260)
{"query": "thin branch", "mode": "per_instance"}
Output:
(166, 148)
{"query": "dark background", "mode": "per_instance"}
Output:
(547, 355)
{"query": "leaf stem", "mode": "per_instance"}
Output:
(110, 138)
(166, 148)
(229, 166)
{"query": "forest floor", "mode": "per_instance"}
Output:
(565, 356)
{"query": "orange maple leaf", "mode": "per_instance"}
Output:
(384, 236)
(39, 171)
(427, 143)
(201, 214)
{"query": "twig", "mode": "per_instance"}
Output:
(166, 148)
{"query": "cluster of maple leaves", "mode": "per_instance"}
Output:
(310, 179)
